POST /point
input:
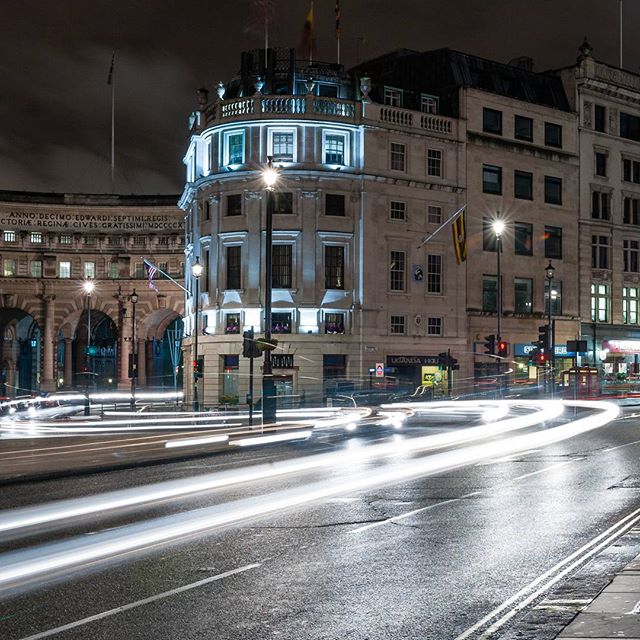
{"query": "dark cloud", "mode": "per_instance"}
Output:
(55, 105)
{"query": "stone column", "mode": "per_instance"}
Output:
(124, 346)
(142, 363)
(68, 363)
(47, 382)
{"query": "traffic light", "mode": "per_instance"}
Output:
(538, 357)
(503, 349)
(544, 342)
(250, 348)
(490, 345)
(453, 364)
(198, 368)
(443, 359)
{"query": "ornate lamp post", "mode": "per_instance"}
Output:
(270, 177)
(498, 229)
(196, 271)
(549, 271)
(134, 348)
(88, 286)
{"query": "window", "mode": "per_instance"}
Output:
(334, 148)
(334, 204)
(234, 204)
(523, 185)
(66, 239)
(523, 239)
(523, 288)
(492, 121)
(434, 273)
(163, 241)
(523, 128)
(397, 210)
(9, 236)
(491, 179)
(114, 241)
(434, 326)
(599, 302)
(282, 146)
(36, 237)
(631, 170)
(232, 323)
(398, 325)
(489, 294)
(333, 267)
(600, 252)
(599, 205)
(434, 215)
(434, 163)
(393, 96)
(553, 242)
(139, 270)
(552, 190)
(207, 211)
(629, 126)
(64, 269)
(234, 147)
(234, 267)
(556, 297)
(630, 305)
(113, 270)
(630, 211)
(138, 241)
(92, 241)
(281, 322)
(283, 202)
(334, 322)
(552, 134)
(397, 269)
(489, 242)
(281, 275)
(600, 118)
(630, 255)
(398, 153)
(428, 104)
(9, 268)
(36, 268)
(601, 163)
(89, 269)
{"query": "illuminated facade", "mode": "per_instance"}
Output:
(50, 244)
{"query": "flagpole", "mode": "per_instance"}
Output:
(443, 225)
(166, 275)
(111, 81)
(311, 36)
(338, 16)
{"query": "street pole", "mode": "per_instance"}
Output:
(196, 403)
(449, 373)
(134, 360)
(268, 387)
(88, 288)
(552, 340)
(250, 397)
(498, 228)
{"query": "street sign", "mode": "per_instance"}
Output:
(379, 369)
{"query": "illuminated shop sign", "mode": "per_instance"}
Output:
(621, 346)
(560, 351)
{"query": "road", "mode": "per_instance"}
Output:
(425, 556)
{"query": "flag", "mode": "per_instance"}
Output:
(110, 77)
(459, 230)
(151, 272)
(337, 19)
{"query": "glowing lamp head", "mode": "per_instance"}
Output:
(197, 268)
(134, 297)
(498, 227)
(270, 177)
(89, 286)
(550, 269)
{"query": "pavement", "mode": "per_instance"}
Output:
(614, 613)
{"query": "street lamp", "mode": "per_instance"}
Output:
(498, 229)
(134, 360)
(549, 271)
(88, 286)
(196, 271)
(270, 177)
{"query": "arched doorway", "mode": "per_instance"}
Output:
(20, 353)
(162, 332)
(95, 351)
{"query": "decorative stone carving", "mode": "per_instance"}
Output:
(214, 198)
(365, 88)
(585, 49)
(311, 195)
(613, 121)
(253, 195)
(220, 90)
(258, 84)
(310, 85)
(587, 114)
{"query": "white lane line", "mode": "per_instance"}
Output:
(544, 582)
(510, 458)
(140, 603)
(621, 446)
(543, 470)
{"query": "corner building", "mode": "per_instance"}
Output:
(50, 245)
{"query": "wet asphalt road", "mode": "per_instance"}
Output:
(337, 569)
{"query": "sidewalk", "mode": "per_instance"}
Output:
(614, 613)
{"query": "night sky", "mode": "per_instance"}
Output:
(55, 104)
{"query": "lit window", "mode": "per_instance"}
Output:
(335, 145)
(630, 305)
(280, 323)
(36, 237)
(398, 325)
(281, 145)
(64, 269)
(434, 326)
(334, 322)
(333, 267)
(434, 163)
(397, 210)
(556, 297)
(232, 323)
(9, 268)
(91, 240)
(599, 302)
(9, 236)
(397, 270)
(66, 239)
(36, 268)
(234, 147)
(89, 269)
(523, 288)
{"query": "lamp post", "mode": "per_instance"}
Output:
(196, 272)
(549, 271)
(498, 229)
(270, 177)
(88, 287)
(134, 360)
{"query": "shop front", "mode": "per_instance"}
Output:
(411, 371)
(620, 360)
(526, 371)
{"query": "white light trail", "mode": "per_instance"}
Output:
(192, 442)
(277, 437)
(52, 559)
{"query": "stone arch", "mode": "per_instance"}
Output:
(20, 352)
(159, 349)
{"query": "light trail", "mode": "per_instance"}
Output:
(277, 437)
(20, 519)
(21, 567)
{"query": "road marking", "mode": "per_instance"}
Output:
(621, 446)
(544, 582)
(510, 458)
(140, 603)
(553, 466)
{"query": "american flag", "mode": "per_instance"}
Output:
(151, 272)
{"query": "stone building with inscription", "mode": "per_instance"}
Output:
(50, 245)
